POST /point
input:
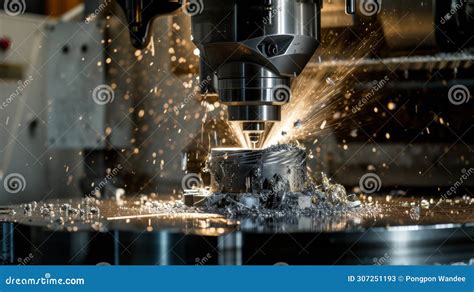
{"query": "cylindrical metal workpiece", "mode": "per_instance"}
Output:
(280, 168)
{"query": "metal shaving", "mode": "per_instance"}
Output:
(149, 205)
(58, 214)
(325, 199)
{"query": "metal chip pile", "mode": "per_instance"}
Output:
(325, 199)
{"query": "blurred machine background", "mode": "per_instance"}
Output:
(407, 131)
(388, 92)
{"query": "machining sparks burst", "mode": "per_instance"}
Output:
(318, 101)
(238, 134)
(307, 114)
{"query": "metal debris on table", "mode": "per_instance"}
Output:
(326, 199)
(224, 213)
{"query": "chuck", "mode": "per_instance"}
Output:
(253, 48)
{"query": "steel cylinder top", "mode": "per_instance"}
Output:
(251, 171)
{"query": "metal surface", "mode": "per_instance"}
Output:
(350, 6)
(392, 214)
(23, 126)
(404, 231)
(75, 120)
(86, 99)
(255, 48)
(253, 171)
(140, 16)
